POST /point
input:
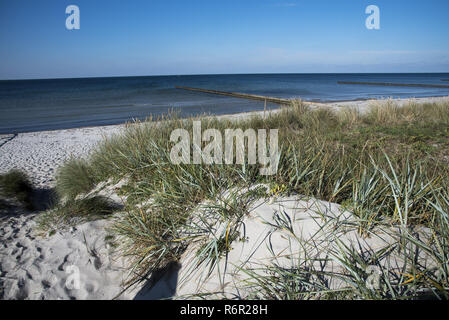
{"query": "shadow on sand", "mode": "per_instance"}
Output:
(43, 199)
(161, 285)
(39, 200)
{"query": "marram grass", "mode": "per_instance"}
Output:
(388, 166)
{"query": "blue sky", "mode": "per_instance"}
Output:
(158, 37)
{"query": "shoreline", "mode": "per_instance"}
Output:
(313, 103)
(40, 153)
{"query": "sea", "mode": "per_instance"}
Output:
(51, 104)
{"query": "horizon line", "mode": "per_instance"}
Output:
(214, 74)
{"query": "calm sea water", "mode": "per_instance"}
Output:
(35, 105)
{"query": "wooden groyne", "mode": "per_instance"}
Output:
(395, 84)
(239, 95)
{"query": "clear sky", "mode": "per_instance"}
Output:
(159, 37)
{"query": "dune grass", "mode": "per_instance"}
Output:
(386, 165)
(423, 272)
(74, 178)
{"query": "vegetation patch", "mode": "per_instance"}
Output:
(388, 166)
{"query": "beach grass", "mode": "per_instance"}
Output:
(388, 166)
(74, 178)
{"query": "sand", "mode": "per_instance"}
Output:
(317, 227)
(39, 268)
(36, 267)
(40, 153)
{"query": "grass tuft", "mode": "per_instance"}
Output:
(74, 178)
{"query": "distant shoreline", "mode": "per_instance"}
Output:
(221, 74)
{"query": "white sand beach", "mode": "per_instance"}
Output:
(40, 153)
(34, 266)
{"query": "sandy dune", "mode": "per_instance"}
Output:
(33, 267)
(319, 230)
